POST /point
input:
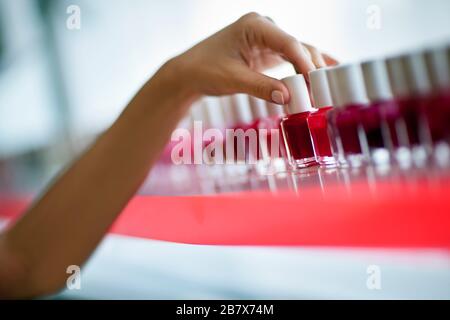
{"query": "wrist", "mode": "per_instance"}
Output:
(168, 92)
(174, 80)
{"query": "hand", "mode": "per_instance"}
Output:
(231, 60)
(70, 219)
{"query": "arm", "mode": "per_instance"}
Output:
(65, 225)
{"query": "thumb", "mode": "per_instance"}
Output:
(262, 86)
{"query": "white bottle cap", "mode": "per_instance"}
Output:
(320, 90)
(333, 87)
(417, 73)
(397, 76)
(438, 64)
(227, 111)
(241, 108)
(196, 111)
(258, 108)
(213, 113)
(376, 80)
(275, 110)
(300, 101)
(349, 83)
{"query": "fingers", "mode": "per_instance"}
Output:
(305, 58)
(319, 58)
(330, 61)
(262, 33)
(265, 34)
(261, 86)
(316, 56)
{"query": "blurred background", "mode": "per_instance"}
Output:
(62, 83)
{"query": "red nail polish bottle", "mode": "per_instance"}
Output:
(276, 113)
(381, 120)
(350, 95)
(166, 156)
(294, 126)
(245, 149)
(259, 113)
(273, 148)
(270, 143)
(197, 143)
(214, 120)
(438, 109)
(317, 121)
(408, 79)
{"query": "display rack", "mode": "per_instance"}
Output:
(411, 213)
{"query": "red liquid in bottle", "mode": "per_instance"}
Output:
(272, 126)
(443, 101)
(434, 110)
(242, 148)
(392, 115)
(410, 109)
(318, 127)
(298, 140)
(371, 121)
(255, 126)
(347, 121)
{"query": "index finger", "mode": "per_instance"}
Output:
(266, 34)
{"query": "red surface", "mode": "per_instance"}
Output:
(394, 216)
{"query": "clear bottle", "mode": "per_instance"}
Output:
(294, 126)
(384, 127)
(317, 121)
(349, 91)
(408, 79)
(274, 149)
(438, 110)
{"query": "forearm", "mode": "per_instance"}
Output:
(65, 226)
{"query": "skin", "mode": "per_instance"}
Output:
(66, 224)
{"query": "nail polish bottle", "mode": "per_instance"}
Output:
(317, 121)
(276, 114)
(259, 113)
(438, 64)
(437, 111)
(214, 128)
(271, 145)
(245, 148)
(294, 126)
(381, 120)
(420, 84)
(406, 88)
(349, 91)
(166, 156)
(235, 154)
(197, 116)
(333, 133)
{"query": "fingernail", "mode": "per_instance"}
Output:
(277, 97)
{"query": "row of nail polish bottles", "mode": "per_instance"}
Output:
(259, 121)
(380, 112)
(248, 125)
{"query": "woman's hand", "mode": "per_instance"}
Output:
(65, 225)
(231, 60)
